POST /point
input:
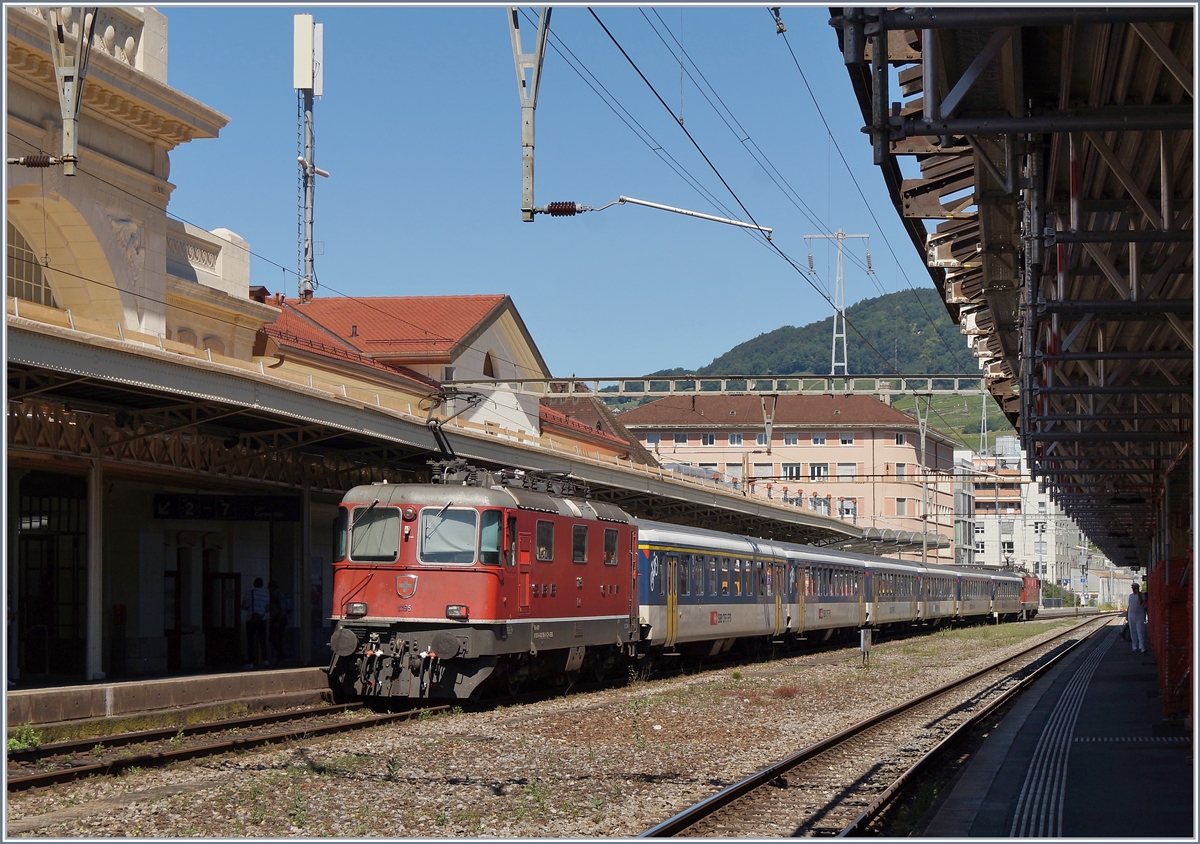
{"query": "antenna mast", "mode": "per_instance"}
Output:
(308, 78)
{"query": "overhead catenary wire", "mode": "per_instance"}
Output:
(743, 137)
(771, 244)
(858, 187)
(517, 366)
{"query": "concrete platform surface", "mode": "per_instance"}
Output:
(108, 700)
(1083, 754)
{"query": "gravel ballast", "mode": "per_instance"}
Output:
(610, 763)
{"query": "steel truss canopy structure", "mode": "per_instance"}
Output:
(1055, 150)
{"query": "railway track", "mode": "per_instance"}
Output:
(839, 785)
(108, 755)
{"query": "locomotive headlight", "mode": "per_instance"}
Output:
(459, 612)
(356, 609)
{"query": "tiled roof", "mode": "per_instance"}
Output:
(551, 416)
(591, 412)
(730, 411)
(414, 327)
(292, 329)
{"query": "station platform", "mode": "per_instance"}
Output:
(1085, 753)
(252, 689)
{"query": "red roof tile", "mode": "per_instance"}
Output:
(413, 327)
(292, 329)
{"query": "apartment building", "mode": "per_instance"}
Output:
(849, 456)
(1017, 524)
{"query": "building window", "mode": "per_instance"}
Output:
(979, 531)
(847, 471)
(764, 470)
(185, 336)
(793, 471)
(25, 278)
(489, 366)
(818, 471)
(899, 439)
(653, 439)
(735, 439)
(901, 470)
(1039, 547)
(847, 438)
(978, 546)
(681, 439)
(708, 439)
(901, 506)
(818, 438)
(1039, 527)
(214, 345)
(1041, 506)
(791, 439)
(760, 439)
(1006, 546)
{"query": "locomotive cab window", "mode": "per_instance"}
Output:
(490, 537)
(610, 547)
(341, 525)
(545, 541)
(375, 534)
(447, 536)
(579, 543)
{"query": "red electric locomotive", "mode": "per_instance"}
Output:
(439, 587)
(1031, 589)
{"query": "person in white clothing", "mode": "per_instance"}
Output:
(1136, 615)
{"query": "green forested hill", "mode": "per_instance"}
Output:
(900, 329)
(897, 325)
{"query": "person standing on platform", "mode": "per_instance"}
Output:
(256, 603)
(1136, 615)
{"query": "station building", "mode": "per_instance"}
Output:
(848, 456)
(174, 431)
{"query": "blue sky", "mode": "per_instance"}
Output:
(420, 128)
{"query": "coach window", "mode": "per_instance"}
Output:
(698, 574)
(714, 586)
(610, 546)
(685, 563)
(375, 534)
(545, 541)
(723, 566)
(447, 536)
(489, 537)
(579, 543)
(735, 577)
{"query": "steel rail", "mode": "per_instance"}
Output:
(886, 797)
(681, 821)
(158, 734)
(165, 757)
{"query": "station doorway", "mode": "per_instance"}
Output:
(51, 575)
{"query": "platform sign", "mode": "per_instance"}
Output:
(236, 508)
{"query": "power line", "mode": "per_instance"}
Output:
(743, 136)
(858, 187)
(865, 341)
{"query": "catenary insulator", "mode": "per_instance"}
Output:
(34, 160)
(869, 263)
(562, 209)
(811, 269)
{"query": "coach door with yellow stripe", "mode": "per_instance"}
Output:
(672, 575)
